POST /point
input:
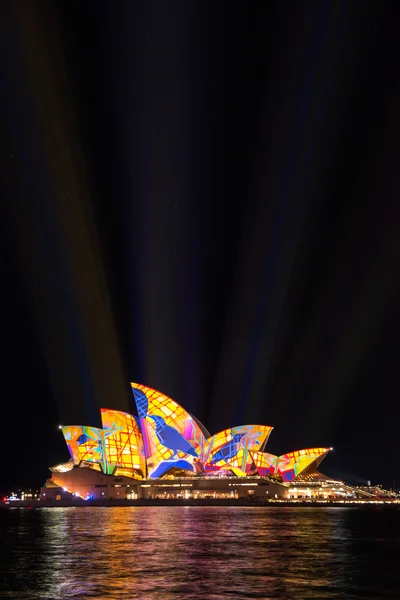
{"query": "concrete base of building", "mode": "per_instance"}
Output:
(94, 485)
(81, 483)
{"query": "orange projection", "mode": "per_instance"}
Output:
(124, 443)
(166, 439)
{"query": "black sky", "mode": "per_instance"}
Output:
(202, 197)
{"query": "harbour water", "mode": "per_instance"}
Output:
(200, 553)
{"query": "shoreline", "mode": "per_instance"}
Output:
(77, 502)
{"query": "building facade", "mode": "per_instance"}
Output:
(166, 452)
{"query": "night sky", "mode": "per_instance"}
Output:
(203, 197)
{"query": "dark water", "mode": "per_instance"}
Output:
(202, 553)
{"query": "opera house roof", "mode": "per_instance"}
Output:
(164, 439)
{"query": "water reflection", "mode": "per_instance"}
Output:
(165, 553)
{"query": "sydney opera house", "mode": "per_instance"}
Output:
(165, 452)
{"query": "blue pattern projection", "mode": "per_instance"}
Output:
(229, 450)
(142, 403)
(171, 438)
(83, 439)
(166, 465)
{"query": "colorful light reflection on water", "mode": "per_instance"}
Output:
(171, 553)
